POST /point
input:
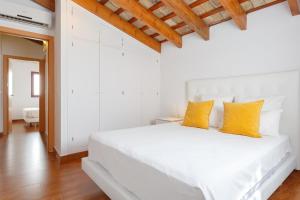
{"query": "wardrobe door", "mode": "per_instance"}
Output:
(150, 86)
(131, 85)
(111, 61)
(110, 88)
(119, 84)
(83, 101)
(82, 78)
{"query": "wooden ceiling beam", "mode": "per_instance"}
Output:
(151, 9)
(156, 6)
(109, 16)
(294, 7)
(265, 6)
(182, 10)
(119, 11)
(172, 14)
(197, 3)
(154, 35)
(151, 20)
(212, 12)
(168, 16)
(236, 12)
(202, 16)
(103, 1)
(49, 4)
(248, 11)
(192, 5)
(207, 14)
(179, 25)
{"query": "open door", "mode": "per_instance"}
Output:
(42, 98)
(10, 96)
(6, 120)
(50, 80)
(8, 93)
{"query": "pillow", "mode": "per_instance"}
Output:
(197, 114)
(242, 118)
(269, 122)
(216, 115)
(270, 103)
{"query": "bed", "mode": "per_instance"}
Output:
(31, 116)
(169, 161)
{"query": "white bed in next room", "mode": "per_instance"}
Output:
(174, 162)
(31, 115)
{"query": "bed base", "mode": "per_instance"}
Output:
(105, 181)
(116, 192)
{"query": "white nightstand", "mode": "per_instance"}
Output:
(162, 120)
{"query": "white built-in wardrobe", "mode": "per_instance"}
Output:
(113, 80)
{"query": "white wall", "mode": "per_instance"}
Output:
(271, 43)
(95, 62)
(21, 73)
(15, 46)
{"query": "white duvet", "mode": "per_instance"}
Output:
(172, 162)
(31, 113)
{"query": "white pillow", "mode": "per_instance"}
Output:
(270, 103)
(269, 122)
(216, 115)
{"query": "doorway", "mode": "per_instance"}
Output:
(50, 75)
(26, 92)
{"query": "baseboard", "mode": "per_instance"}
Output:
(70, 157)
(17, 120)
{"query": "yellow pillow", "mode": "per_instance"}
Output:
(242, 118)
(197, 114)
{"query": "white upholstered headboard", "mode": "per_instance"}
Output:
(283, 83)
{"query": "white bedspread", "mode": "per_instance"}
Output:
(172, 162)
(31, 113)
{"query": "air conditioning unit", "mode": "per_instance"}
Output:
(23, 14)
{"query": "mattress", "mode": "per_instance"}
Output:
(31, 113)
(170, 161)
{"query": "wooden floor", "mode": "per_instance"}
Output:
(28, 172)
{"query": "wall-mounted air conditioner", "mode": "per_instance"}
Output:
(23, 14)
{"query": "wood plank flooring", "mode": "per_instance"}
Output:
(28, 172)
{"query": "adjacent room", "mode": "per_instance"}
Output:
(24, 91)
(150, 99)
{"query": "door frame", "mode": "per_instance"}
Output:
(51, 82)
(42, 96)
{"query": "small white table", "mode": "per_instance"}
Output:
(162, 120)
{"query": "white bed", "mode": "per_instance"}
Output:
(170, 161)
(31, 116)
